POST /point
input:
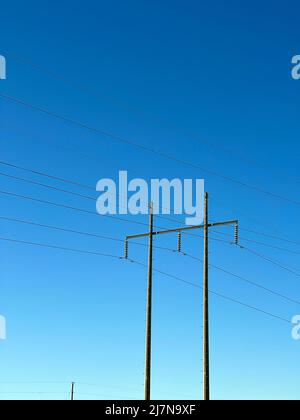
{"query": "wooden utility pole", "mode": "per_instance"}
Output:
(149, 311)
(206, 226)
(206, 393)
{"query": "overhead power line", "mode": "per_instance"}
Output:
(47, 175)
(67, 181)
(223, 296)
(40, 184)
(78, 232)
(239, 277)
(115, 218)
(91, 188)
(170, 250)
(122, 219)
(243, 238)
(52, 203)
(138, 223)
(43, 245)
(270, 260)
(147, 149)
(121, 105)
(87, 197)
(267, 235)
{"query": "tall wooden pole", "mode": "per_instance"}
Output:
(149, 311)
(206, 387)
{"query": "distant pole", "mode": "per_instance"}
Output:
(149, 311)
(72, 391)
(206, 389)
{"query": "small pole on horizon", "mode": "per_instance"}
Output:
(72, 390)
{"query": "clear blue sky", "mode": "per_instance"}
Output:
(178, 77)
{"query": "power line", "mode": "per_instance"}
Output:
(43, 245)
(32, 392)
(145, 265)
(90, 234)
(220, 295)
(85, 186)
(260, 286)
(146, 148)
(99, 236)
(271, 236)
(64, 180)
(33, 383)
(276, 263)
(166, 218)
(135, 222)
(83, 88)
(113, 217)
(52, 203)
(88, 197)
(251, 307)
(78, 232)
(29, 181)
(255, 220)
(259, 243)
(47, 175)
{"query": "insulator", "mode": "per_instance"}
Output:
(236, 234)
(126, 250)
(179, 242)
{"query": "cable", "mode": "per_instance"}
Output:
(251, 307)
(83, 88)
(29, 181)
(145, 245)
(56, 178)
(52, 203)
(223, 296)
(145, 265)
(34, 382)
(145, 148)
(259, 243)
(260, 286)
(271, 236)
(85, 186)
(87, 211)
(165, 218)
(68, 181)
(78, 232)
(33, 392)
(255, 220)
(276, 263)
(30, 198)
(73, 208)
(99, 236)
(88, 197)
(42, 245)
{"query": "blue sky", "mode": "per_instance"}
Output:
(210, 84)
